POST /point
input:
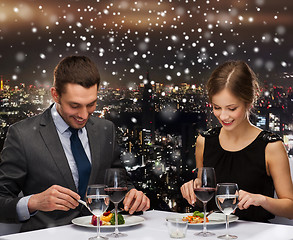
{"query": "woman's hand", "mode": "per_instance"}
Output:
(187, 190)
(247, 199)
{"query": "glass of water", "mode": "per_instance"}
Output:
(98, 202)
(227, 200)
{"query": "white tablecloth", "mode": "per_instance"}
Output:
(154, 227)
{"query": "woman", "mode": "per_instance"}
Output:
(242, 153)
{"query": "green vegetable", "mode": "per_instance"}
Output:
(199, 214)
(120, 219)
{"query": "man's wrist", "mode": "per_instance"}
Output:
(30, 204)
(22, 209)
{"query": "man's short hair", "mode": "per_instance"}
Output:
(75, 69)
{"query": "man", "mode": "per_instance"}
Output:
(39, 159)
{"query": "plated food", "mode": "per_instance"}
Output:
(214, 218)
(196, 217)
(107, 218)
(130, 220)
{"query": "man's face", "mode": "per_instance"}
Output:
(76, 104)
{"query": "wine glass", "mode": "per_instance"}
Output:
(204, 189)
(227, 200)
(116, 188)
(98, 201)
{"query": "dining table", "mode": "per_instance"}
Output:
(153, 226)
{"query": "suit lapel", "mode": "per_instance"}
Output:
(92, 132)
(50, 136)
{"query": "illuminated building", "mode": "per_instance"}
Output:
(148, 114)
(261, 122)
(1, 86)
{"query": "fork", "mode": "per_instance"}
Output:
(84, 204)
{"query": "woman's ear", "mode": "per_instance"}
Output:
(249, 107)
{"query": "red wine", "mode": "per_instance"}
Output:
(116, 194)
(204, 194)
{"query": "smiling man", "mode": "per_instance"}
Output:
(52, 157)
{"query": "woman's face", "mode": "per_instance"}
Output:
(229, 110)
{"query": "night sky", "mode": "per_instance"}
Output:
(176, 41)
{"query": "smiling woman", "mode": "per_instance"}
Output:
(229, 110)
(239, 149)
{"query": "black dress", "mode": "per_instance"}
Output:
(246, 167)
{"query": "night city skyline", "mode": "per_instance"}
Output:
(157, 127)
(176, 41)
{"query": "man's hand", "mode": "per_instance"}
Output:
(54, 198)
(187, 190)
(136, 201)
(247, 199)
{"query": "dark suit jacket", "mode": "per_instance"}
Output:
(33, 160)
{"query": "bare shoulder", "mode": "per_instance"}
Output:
(200, 141)
(276, 158)
(275, 148)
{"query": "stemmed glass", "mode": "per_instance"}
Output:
(97, 200)
(204, 189)
(227, 200)
(116, 188)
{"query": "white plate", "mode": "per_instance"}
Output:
(129, 221)
(214, 218)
